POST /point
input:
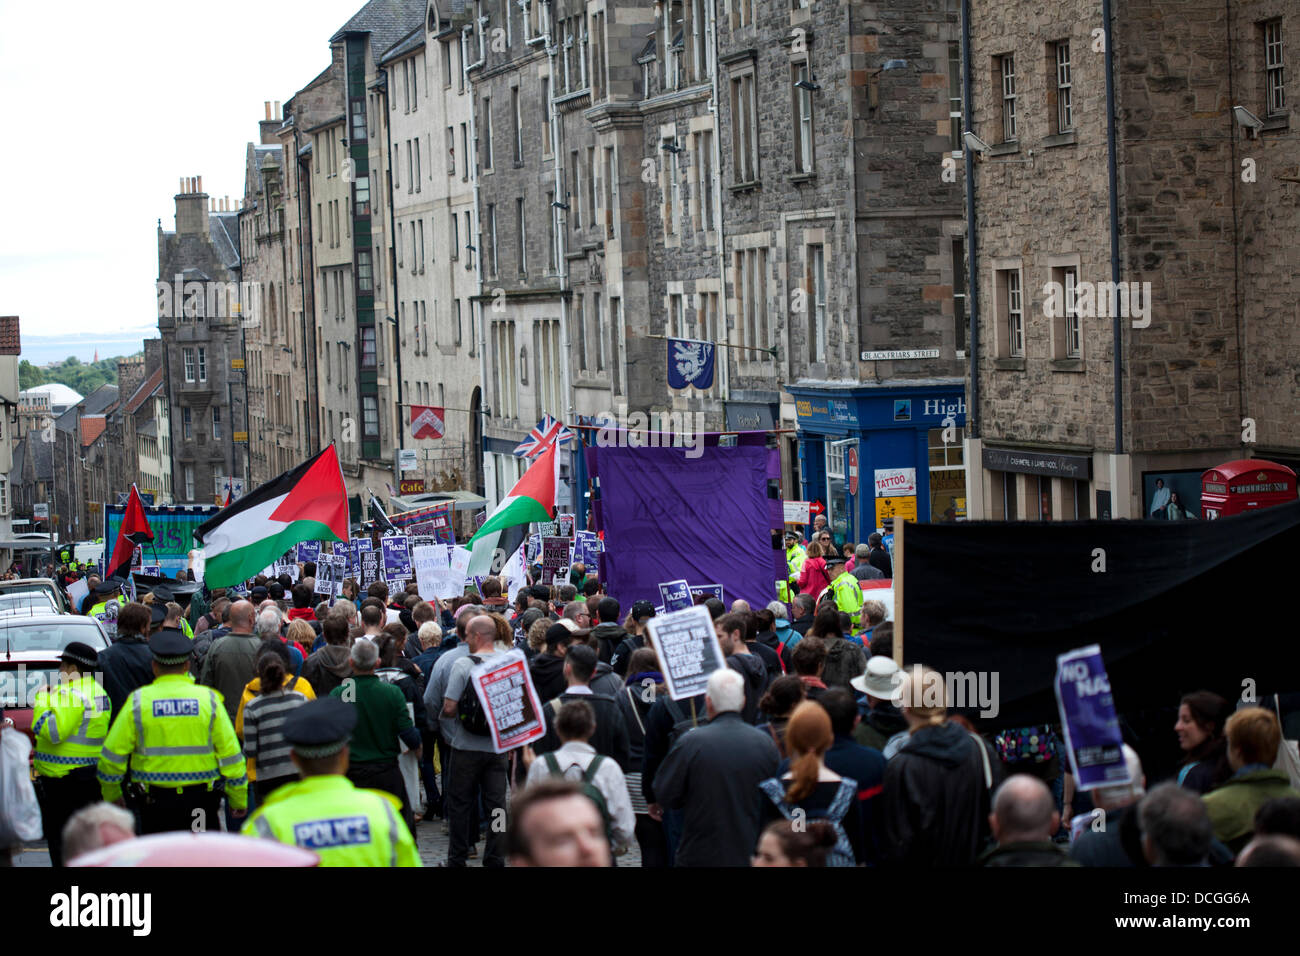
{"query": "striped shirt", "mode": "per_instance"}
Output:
(264, 715)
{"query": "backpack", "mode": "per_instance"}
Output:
(1027, 744)
(589, 788)
(469, 709)
(683, 723)
(842, 853)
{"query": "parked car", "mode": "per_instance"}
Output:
(25, 585)
(27, 602)
(30, 646)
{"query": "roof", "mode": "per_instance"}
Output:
(409, 44)
(100, 400)
(223, 227)
(149, 429)
(145, 391)
(60, 395)
(10, 341)
(92, 426)
(387, 21)
(42, 458)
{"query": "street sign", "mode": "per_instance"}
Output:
(241, 438)
(237, 364)
(407, 459)
(853, 471)
(41, 509)
(899, 355)
(797, 512)
(817, 508)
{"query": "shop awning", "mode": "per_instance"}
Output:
(464, 501)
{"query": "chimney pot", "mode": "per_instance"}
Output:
(198, 184)
(277, 111)
(182, 181)
(266, 105)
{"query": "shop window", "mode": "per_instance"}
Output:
(1082, 508)
(947, 475)
(1043, 486)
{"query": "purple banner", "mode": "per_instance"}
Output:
(1092, 734)
(667, 517)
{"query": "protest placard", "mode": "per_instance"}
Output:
(555, 557)
(308, 551)
(566, 523)
(586, 549)
(431, 565)
(289, 569)
(1091, 726)
(534, 548)
(712, 590)
(515, 575)
(505, 689)
(676, 595)
(369, 567)
(548, 529)
(458, 560)
(77, 591)
(688, 649)
(397, 559)
(326, 581)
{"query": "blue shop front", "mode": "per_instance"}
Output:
(872, 452)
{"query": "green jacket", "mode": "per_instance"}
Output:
(1232, 806)
(382, 714)
(343, 825)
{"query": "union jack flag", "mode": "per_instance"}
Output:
(544, 432)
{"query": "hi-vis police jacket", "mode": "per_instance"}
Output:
(69, 722)
(175, 734)
(344, 825)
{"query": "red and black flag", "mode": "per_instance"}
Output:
(135, 531)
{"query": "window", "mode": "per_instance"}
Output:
(598, 324)
(519, 124)
(1012, 312)
(1274, 73)
(954, 97)
(216, 422)
(464, 150)
(368, 357)
(1064, 100)
(406, 83)
(455, 309)
(1007, 73)
(959, 293)
(410, 167)
(575, 197)
(451, 151)
(370, 416)
(546, 112)
(1067, 330)
(189, 482)
(420, 226)
(803, 121)
(358, 121)
(947, 474)
(744, 129)
(610, 190)
(1082, 509)
(361, 201)
(490, 263)
(189, 364)
(505, 15)
(550, 233)
(751, 301)
(4, 494)
(455, 237)
(599, 76)
(416, 175)
(521, 239)
(670, 187)
(741, 13)
(591, 186)
(671, 41)
(566, 44)
(584, 337)
(487, 132)
(203, 364)
(699, 40)
(446, 64)
(365, 276)
(187, 424)
(817, 303)
(469, 235)
(704, 171)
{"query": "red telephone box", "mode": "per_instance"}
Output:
(1244, 485)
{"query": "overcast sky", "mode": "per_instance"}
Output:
(109, 105)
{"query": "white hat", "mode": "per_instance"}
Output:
(878, 679)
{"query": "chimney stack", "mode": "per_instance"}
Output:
(191, 210)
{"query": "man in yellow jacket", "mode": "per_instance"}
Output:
(846, 590)
(324, 811)
(69, 722)
(179, 741)
(795, 555)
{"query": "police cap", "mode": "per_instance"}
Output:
(79, 653)
(170, 646)
(157, 612)
(108, 586)
(319, 728)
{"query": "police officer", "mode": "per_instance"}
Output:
(324, 811)
(846, 589)
(179, 741)
(795, 555)
(108, 601)
(69, 722)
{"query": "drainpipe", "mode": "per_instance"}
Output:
(1112, 178)
(972, 234)
(392, 265)
(717, 211)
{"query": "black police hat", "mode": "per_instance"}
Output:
(79, 653)
(108, 586)
(170, 646)
(162, 593)
(157, 613)
(319, 728)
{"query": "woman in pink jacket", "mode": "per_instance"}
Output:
(814, 579)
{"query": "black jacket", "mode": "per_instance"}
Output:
(1119, 844)
(764, 645)
(879, 559)
(611, 737)
(126, 664)
(623, 653)
(548, 676)
(605, 681)
(658, 736)
(802, 624)
(1036, 853)
(713, 775)
(610, 636)
(878, 725)
(754, 671)
(936, 801)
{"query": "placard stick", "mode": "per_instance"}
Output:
(897, 565)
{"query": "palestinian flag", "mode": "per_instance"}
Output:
(531, 499)
(135, 531)
(308, 503)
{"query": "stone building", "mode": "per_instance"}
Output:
(1207, 198)
(426, 100)
(199, 318)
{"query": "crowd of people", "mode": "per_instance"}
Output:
(810, 747)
